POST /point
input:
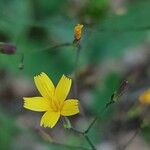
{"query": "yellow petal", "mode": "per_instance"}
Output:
(70, 107)
(63, 88)
(49, 119)
(36, 104)
(145, 97)
(44, 85)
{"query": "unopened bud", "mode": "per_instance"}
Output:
(123, 87)
(120, 91)
(67, 123)
(7, 48)
(78, 32)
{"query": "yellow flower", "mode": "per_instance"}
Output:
(53, 100)
(78, 31)
(144, 98)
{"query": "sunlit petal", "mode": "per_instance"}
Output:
(49, 119)
(36, 103)
(44, 85)
(63, 88)
(70, 107)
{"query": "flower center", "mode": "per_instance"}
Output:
(56, 105)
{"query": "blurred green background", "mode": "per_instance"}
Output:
(114, 46)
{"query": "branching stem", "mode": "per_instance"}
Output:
(96, 118)
(89, 141)
(131, 139)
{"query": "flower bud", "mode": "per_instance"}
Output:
(144, 98)
(7, 48)
(78, 31)
(123, 87)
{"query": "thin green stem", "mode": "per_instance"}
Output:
(48, 138)
(21, 64)
(114, 97)
(131, 139)
(52, 47)
(75, 73)
(77, 131)
(86, 137)
(125, 29)
(91, 125)
(96, 118)
(89, 141)
(78, 48)
(84, 133)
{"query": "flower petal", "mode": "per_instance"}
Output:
(70, 107)
(44, 85)
(144, 98)
(49, 119)
(36, 103)
(63, 88)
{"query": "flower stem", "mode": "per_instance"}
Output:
(96, 118)
(91, 125)
(77, 131)
(84, 133)
(89, 141)
(52, 47)
(85, 136)
(21, 64)
(48, 138)
(131, 139)
(78, 47)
